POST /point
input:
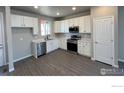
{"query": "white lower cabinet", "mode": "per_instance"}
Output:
(63, 44)
(51, 45)
(84, 48)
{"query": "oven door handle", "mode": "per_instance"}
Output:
(72, 43)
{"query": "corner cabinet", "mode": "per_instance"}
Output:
(51, 45)
(61, 26)
(63, 43)
(25, 21)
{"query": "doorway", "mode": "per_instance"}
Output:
(104, 39)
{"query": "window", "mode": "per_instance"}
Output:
(45, 27)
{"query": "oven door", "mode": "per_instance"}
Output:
(72, 46)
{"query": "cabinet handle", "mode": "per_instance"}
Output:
(96, 42)
(111, 40)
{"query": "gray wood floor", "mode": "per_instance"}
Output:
(58, 63)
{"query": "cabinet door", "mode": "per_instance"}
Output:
(49, 46)
(28, 21)
(62, 26)
(76, 21)
(87, 24)
(56, 27)
(81, 24)
(71, 22)
(81, 48)
(17, 21)
(65, 44)
(60, 44)
(66, 26)
(35, 26)
(87, 49)
(1, 57)
(56, 44)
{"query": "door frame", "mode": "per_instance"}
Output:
(113, 37)
(3, 33)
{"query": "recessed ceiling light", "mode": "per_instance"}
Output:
(73, 8)
(35, 7)
(57, 13)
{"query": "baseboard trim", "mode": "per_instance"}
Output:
(21, 58)
(116, 66)
(93, 59)
(121, 60)
(11, 70)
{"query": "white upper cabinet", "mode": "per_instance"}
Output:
(87, 24)
(57, 27)
(17, 21)
(71, 22)
(66, 27)
(83, 23)
(35, 26)
(62, 26)
(28, 21)
(76, 21)
(25, 21)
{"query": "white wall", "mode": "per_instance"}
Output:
(21, 39)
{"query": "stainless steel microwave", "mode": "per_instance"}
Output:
(74, 29)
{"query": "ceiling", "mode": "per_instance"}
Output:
(52, 10)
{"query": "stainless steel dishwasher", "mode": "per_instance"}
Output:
(38, 48)
(41, 48)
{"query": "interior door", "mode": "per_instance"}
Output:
(1, 42)
(103, 35)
